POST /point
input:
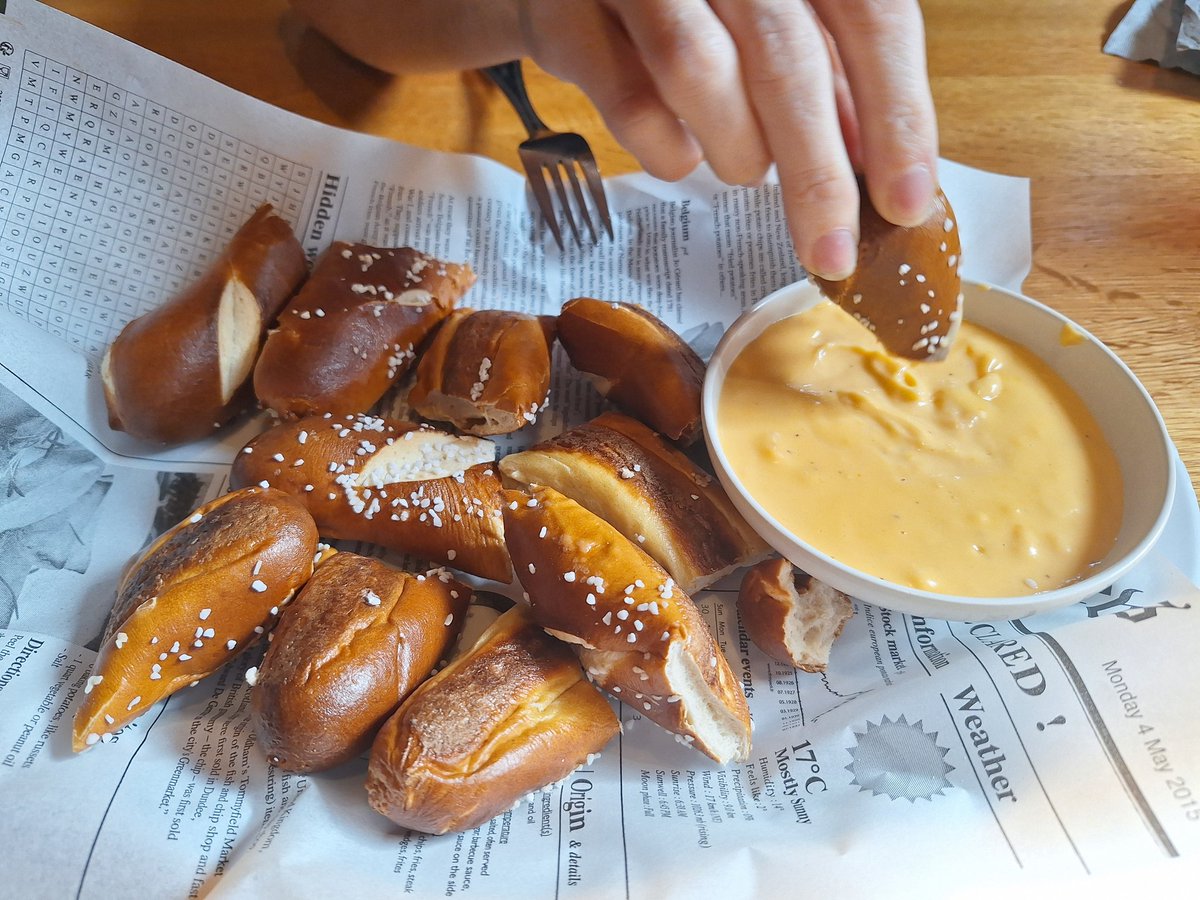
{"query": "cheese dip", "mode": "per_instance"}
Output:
(982, 475)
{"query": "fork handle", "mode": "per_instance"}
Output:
(507, 76)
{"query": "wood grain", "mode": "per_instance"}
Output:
(1112, 147)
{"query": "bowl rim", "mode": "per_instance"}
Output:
(800, 295)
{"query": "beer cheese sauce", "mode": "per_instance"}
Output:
(982, 475)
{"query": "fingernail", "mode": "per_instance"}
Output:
(834, 255)
(910, 196)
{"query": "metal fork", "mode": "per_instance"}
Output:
(548, 155)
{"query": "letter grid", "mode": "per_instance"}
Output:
(110, 203)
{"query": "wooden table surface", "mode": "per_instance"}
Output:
(1112, 147)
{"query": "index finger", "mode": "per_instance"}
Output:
(789, 75)
(693, 61)
(882, 48)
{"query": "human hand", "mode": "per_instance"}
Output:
(819, 88)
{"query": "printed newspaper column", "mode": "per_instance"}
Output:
(1048, 744)
(401, 216)
(187, 768)
(1120, 696)
(561, 839)
(53, 800)
(996, 767)
(753, 249)
(511, 269)
(675, 797)
(591, 854)
(201, 785)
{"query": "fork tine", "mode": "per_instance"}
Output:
(577, 188)
(596, 186)
(545, 153)
(537, 182)
(555, 176)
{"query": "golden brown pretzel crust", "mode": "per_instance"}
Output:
(639, 635)
(201, 594)
(337, 467)
(511, 716)
(485, 372)
(355, 328)
(637, 362)
(162, 374)
(626, 474)
(907, 288)
(354, 643)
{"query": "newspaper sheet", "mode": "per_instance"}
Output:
(933, 758)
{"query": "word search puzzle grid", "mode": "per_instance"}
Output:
(111, 203)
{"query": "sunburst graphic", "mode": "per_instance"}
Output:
(899, 760)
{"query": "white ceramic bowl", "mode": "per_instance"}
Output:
(1116, 399)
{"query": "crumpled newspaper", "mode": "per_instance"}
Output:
(1189, 26)
(1166, 31)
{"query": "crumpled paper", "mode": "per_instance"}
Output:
(1166, 31)
(1189, 26)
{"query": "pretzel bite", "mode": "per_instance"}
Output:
(355, 328)
(354, 643)
(790, 616)
(637, 362)
(511, 716)
(181, 371)
(638, 634)
(485, 372)
(202, 593)
(407, 487)
(626, 474)
(907, 287)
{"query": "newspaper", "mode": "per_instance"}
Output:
(933, 758)
(1166, 31)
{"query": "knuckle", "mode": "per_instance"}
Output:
(745, 168)
(778, 42)
(769, 80)
(906, 131)
(690, 59)
(820, 189)
(683, 50)
(638, 122)
(630, 110)
(782, 28)
(872, 18)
